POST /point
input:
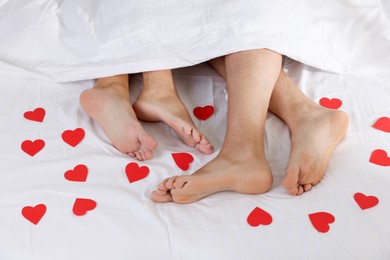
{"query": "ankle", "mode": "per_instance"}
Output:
(114, 88)
(242, 153)
(299, 114)
(158, 80)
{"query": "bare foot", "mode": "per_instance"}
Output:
(314, 139)
(110, 106)
(166, 106)
(252, 176)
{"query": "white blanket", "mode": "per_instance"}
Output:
(72, 40)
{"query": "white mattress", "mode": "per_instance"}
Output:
(51, 50)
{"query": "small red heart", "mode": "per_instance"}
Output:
(365, 202)
(380, 157)
(136, 173)
(203, 113)
(183, 160)
(79, 173)
(82, 206)
(321, 221)
(333, 103)
(73, 137)
(34, 214)
(32, 147)
(382, 124)
(37, 114)
(259, 217)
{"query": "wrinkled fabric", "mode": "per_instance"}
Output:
(73, 40)
(126, 224)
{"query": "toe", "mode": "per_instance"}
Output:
(196, 135)
(293, 191)
(142, 154)
(179, 182)
(204, 141)
(148, 143)
(204, 145)
(138, 155)
(161, 198)
(206, 149)
(161, 192)
(148, 154)
(307, 187)
(163, 185)
(169, 183)
(290, 181)
(300, 190)
(187, 130)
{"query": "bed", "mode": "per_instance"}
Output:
(66, 193)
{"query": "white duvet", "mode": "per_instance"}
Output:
(72, 40)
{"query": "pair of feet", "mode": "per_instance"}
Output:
(110, 106)
(314, 138)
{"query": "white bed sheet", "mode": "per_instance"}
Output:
(126, 224)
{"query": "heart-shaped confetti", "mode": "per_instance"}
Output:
(81, 206)
(79, 173)
(382, 124)
(135, 173)
(203, 113)
(333, 103)
(183, 160)
(365, 202)
(380, 157)
(73, 137)
(37, 114)
(258, 217)
(321, 221)
(32, 147)
(34, 214)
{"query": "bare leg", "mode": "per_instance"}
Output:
(241, 165)
(159, 101)
(108, 103)
(315, 132)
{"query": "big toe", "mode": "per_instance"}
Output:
(290, 181)
(147, 142)
(204, 146)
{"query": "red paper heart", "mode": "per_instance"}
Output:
(32, 147)
(333, 103)
(136, 173)
(203, 113)
(365, 202)
(36, 115)
(183, 160)
(382, 124)
(321, 221)
(82, 206)
(259, 217)
(34, 214)
(79, 173)
(380, 157)
(73, 137)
